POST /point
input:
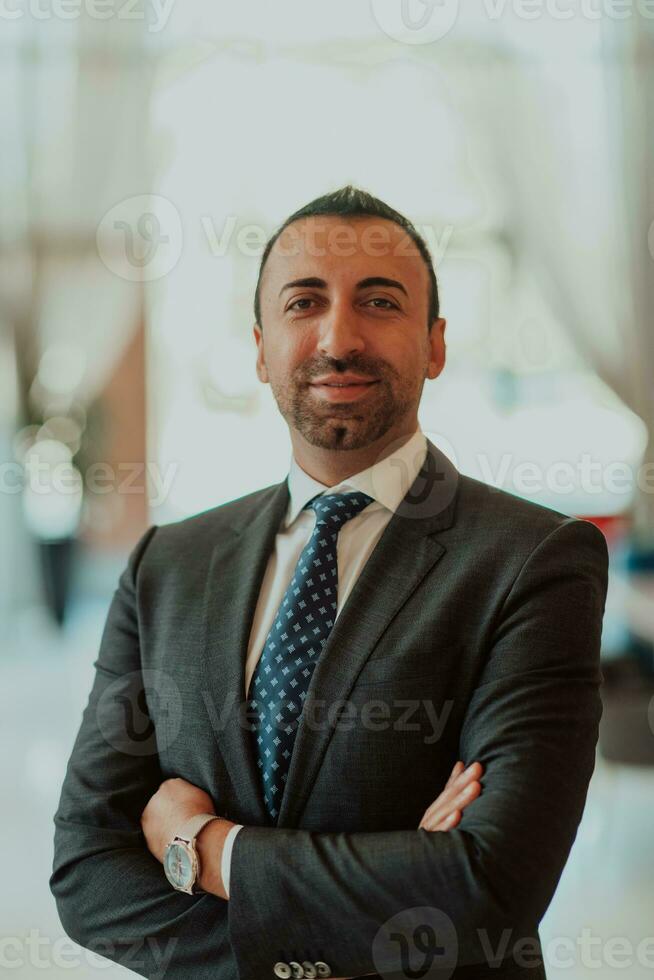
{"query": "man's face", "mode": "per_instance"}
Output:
(346, 297)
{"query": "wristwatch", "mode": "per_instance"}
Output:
(181, 862)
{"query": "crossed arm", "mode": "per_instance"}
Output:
(176, 801)
(532, 723)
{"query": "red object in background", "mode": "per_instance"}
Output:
(614, 527)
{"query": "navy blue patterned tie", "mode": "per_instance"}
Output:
(296, 639)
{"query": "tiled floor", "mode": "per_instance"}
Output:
(602, 911)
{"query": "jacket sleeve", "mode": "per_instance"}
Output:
(111, 892)
(532, 721)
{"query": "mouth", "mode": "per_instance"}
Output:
(338, 392)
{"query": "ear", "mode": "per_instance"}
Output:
(262, 372)
(437, 347)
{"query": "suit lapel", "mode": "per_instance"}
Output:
(238, 564)
(403, 556)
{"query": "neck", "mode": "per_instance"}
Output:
(331, 466)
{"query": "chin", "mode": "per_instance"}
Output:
(342, 434)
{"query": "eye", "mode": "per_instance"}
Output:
(375, 299)
(302, 299)
(383, 299)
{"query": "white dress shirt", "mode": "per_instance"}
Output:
(387, 482)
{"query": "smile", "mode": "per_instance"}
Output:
(342, 392)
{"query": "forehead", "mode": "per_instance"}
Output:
(345, 250)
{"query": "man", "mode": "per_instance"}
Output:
(288, 685)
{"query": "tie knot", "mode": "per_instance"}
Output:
(335, 509)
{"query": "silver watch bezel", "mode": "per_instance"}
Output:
(189, 848)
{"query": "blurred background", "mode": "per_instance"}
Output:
(149, 149)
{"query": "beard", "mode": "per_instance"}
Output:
(346, 425)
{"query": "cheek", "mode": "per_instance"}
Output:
(282, 366)
(290, 356)
(404, 360)
(415, 362)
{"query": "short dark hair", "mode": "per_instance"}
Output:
(351, 202)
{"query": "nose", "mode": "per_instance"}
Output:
(340, 335)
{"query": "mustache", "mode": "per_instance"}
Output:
(369, 370)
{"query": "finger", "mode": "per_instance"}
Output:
(463, 775)
(450, 821)
(456, 798)
(473, 772)
(447, 823)
(459, 803)
(441, 818)
(457, 769)
(475, 769)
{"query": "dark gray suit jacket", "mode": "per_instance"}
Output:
(472, 632)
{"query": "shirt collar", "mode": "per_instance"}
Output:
(386, 481)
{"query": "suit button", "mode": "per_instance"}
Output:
(310, 971)
(282, 970)
(296, 970)
(323, 969)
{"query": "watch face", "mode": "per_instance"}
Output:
(178, 865)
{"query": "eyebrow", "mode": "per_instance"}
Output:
(313, 281)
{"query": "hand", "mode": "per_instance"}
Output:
(460, 790)
(166, 812)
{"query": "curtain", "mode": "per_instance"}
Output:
(577, 180)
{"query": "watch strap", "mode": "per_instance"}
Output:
(192, 827)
